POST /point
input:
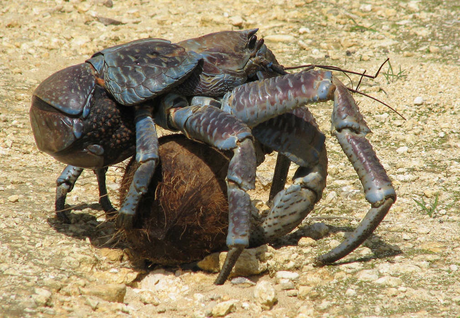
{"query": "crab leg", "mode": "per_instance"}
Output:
(257, 102)
(64, 184)
(216, 128)
(147, 156)
(350, 130)
(295, 136)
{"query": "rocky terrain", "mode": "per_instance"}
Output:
(408, 268)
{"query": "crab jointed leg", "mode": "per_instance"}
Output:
(147, 156)
(257, 102)
(214, 127)
(350, 130)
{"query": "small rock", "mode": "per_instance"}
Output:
(367, 275)
(413, 6)
(42, 296)
(350, 292)
(224, 308)
(306, 242)
(210, 263)
(402, 150)
(286, 284)
(434, 49)
(265, 294)
(236, 21)
(304, 291)
(418, 100)
(92, 301)
(250, 262)
(318, 230)
(292, 293)
(242, 281)
(113, 255)
(331, 197)
(109, 292)
(13, 198)
(303, 30)
(366, 7)
(286, 275)
(279, 38)
(389, 281)
(148, 297)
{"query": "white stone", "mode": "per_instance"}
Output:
(224, 308)
(286, 275)
(367, 275)
(350, 292)
(279, 38)
(419, 100)
(265, 294)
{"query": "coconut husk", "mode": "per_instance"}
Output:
(184, 215)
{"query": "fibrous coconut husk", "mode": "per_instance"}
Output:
(184, 215)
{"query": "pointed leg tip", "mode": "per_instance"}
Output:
(220, 280)
(63, 217)
(318, 262)
(124, 221)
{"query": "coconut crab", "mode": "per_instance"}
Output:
(225, 89)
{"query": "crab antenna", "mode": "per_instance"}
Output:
(360, 79)
(335, 68)
(377, 100)
(347, 72)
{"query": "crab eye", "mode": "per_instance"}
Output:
(252, 42)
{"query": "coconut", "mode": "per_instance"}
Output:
(184, 215)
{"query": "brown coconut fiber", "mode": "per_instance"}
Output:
(184, 215)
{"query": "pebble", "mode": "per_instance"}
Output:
(148, 297)
(389, 281)
(318, 230)
(109, 292)
(265, 294)
(280, 38)
(419, 100)
(224, 308)
(286, 275)
(236, 21)
(367, 275)
(42, 296)
(242, 281)
(13, 198)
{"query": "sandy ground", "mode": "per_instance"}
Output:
(409, 268)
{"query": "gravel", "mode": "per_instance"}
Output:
(408, 268)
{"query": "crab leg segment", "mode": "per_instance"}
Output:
(214, 127)
(306, 148)
(259, 101)
(64, 184)
(350, 130)
(147, 156)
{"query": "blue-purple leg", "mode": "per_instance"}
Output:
(216, 128)
(350, 130)
(104, 200)
(280, 175)
(257, 102)
(147, 156)
(294, 135)
(64, 184)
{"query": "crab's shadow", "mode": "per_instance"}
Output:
(84, 226)
(103, 234)
(379, 248)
